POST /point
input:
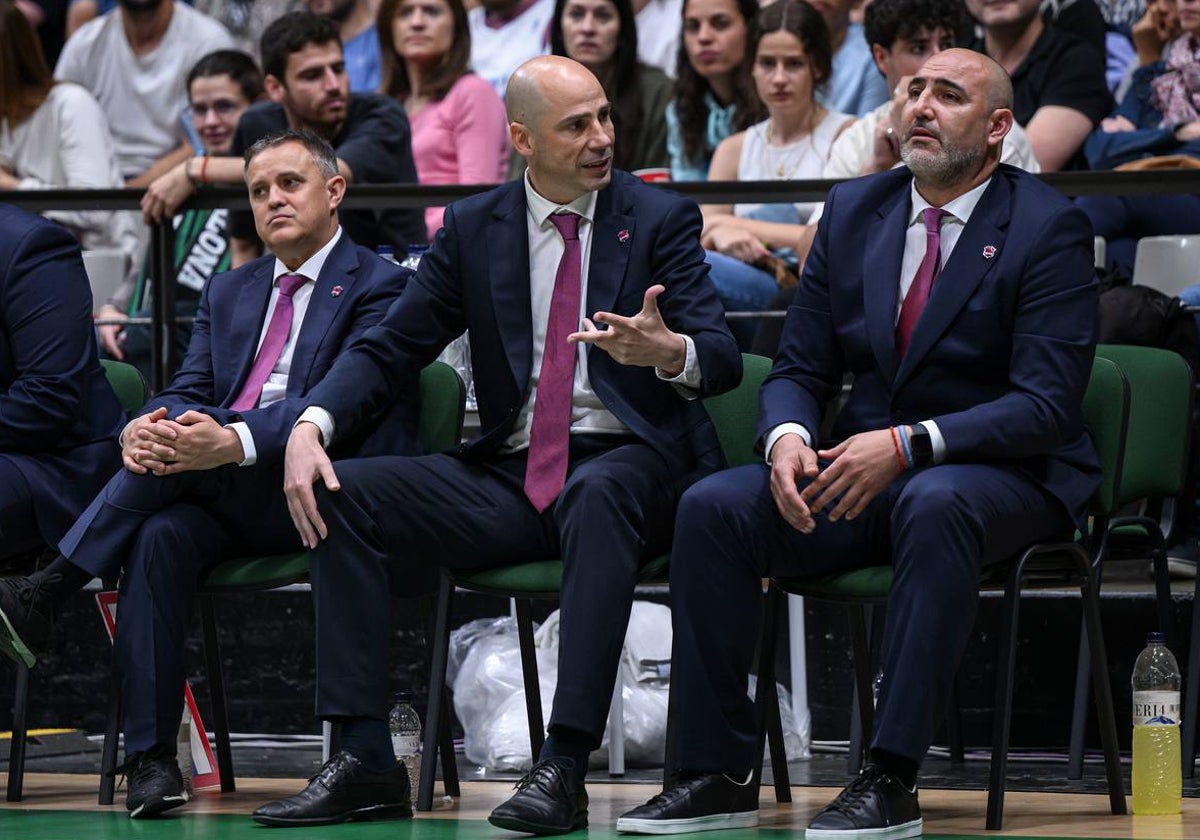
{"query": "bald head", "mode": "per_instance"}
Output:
(542, 81)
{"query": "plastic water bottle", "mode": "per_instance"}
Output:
(387, 252)
(1157, 772)
(405, 726)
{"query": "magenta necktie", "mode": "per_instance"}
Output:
(272, 345)
(549, 438)
(927, 272)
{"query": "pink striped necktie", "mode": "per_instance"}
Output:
(922, 284)
(272, 345)
(549, 437)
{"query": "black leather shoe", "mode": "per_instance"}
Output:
(548, 801)
(26, 620)
(343, 790)
(705, 803)
(875, 806)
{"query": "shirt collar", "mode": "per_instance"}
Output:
(960, 208)
(541, 208)
(311, 268)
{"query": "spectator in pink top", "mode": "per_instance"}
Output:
(459, 130)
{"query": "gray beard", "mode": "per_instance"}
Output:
(951, 166)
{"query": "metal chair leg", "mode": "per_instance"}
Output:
(862, 621)
(1080, 707)
(434, 721)
(529, 673)
(1191, 697)
(216, 684)
(1005, 670)
(446, 747)
(1103, 692)
(766, 703)
(112, 733)
(20, 732)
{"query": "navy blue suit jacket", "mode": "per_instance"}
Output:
(353, 292)
(58, 415)
(476, 277)
(1001, 356)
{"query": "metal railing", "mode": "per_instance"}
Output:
(381, 196)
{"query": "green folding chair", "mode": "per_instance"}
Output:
(439, 428)
(1106, 411)
(1154, 475)
(734, 414)
(132, 393)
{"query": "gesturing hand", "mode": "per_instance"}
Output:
(791, 460)
(642, 340)
(304, 462)
(860, 467)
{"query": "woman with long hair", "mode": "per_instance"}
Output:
(459, 130)
(602, 36)
(54, 135)
(749, 245)
(713, 95)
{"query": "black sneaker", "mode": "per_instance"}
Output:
(705, 803)
(26, 620)
(875, 806)
(154, 784)
(548, 800)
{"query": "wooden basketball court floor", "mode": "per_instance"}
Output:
(63, 807)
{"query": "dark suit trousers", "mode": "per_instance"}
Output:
(164, 532)
(615, 512)
(938, 527)
(18, 516)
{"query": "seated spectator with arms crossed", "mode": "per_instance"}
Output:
(203, 461)
(589, 435)
(960, 293)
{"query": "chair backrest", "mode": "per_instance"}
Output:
(735, 413)
(106, 268)
(1160, 421)
(442, 406)
(1106, 413)
(1167, 263)
(127, 383)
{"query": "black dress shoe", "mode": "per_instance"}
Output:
(26, 619)
(875, 806)
(548, 801)
(343, 790)
(704, 803)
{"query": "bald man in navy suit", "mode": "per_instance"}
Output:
(203, 473)
(959, 293)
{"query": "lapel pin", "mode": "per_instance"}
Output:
(337, 290)
(623, 236)
(989, 251)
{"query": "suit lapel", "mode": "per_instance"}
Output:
(611, 234)
(962, 273)
(507, 265)
(340, 269)
(882, 261)
(247, 326)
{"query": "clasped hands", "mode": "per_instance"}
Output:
(192, 441)
(859, 468)
(641, 340)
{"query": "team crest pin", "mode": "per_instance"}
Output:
(337, 290)
(623, 236)
(989, 251)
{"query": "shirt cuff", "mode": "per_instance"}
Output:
(688, 380)
(320, 418)
(785, 429)
(250, 454)
(936, 441)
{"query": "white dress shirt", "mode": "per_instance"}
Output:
(958, 213)
(588, 414)
(275, 388)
